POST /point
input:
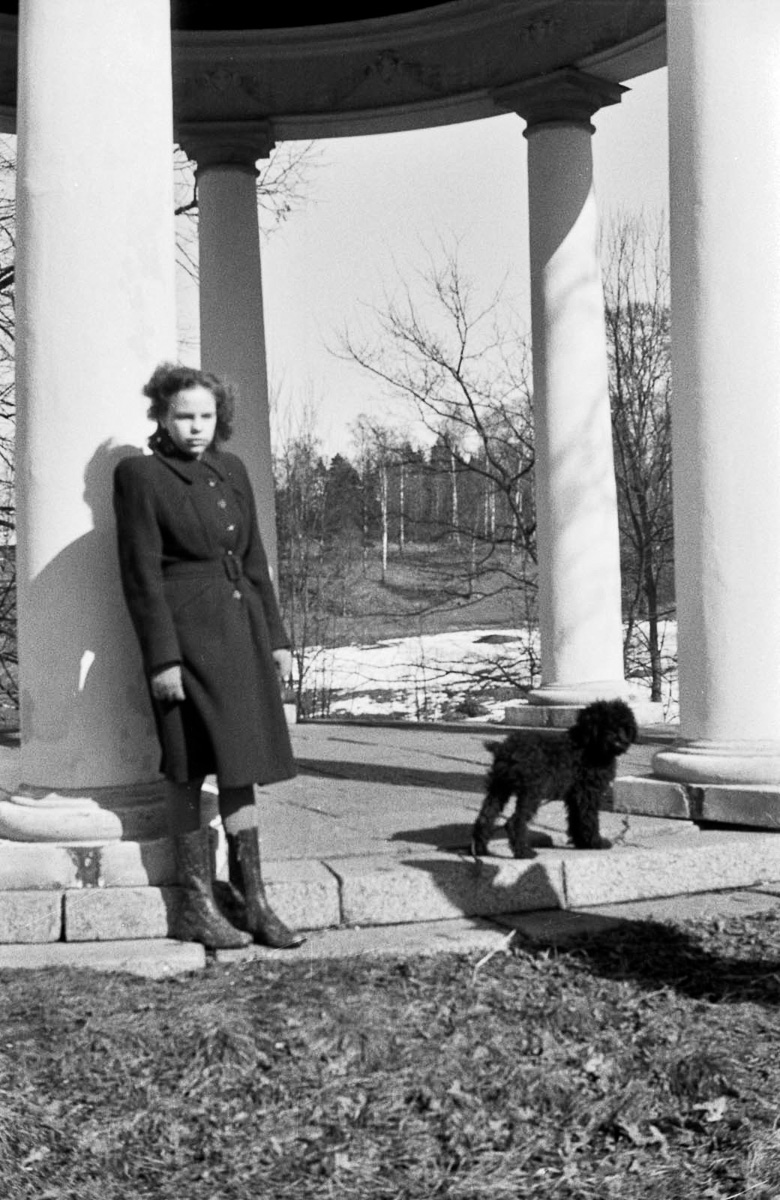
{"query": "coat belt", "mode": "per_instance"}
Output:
(229, 565)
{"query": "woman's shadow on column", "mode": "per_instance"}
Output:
(89, 715)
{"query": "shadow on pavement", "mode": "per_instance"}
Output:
(489, 886)
(444, 837)
(371, 772)
(457, 836)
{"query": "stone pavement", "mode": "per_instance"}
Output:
(367, 850)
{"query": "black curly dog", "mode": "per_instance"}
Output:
(576, 765)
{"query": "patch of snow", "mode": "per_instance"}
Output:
(426, 676)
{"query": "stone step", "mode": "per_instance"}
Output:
(379, 890)
(151, 958)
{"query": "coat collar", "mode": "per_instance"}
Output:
(186, 468)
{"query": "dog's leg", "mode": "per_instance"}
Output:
(492, 806)
(582, 812)
(517, 832)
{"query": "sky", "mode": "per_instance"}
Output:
(378, 205)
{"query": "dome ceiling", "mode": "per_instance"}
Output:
(238, 14)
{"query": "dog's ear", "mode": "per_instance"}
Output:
(623, 717)
(588, 729)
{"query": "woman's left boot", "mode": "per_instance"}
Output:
(245, 875)
(196, 917)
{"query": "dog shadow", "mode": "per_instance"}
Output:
(659, 954)
(487, 887)
(457, 836)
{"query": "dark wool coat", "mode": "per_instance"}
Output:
(196, 582)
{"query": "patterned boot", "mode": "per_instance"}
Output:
(246, 878)
(197, 918)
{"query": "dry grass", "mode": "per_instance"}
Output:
(643, 1063)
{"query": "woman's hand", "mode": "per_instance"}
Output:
(167, 685)
(283, 660)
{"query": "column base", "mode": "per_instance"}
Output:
(747, 806)
(579, 694)
(33, 814)
(702, 761)
(557, 705)
(562, 716)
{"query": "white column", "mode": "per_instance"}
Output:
(95, 313)
(576, 499)
(724, 107)
(232, 331)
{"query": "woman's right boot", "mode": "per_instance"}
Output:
(197, 918)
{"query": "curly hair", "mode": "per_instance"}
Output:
(171, 378)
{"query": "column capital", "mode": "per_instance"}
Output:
(565, 97)
(236, 144)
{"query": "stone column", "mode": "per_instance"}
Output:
(576, 501)
(232, 333)
(724, 108)
(95, 307)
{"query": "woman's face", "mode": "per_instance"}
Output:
(191, 420)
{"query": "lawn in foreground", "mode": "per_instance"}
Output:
(641, 1063)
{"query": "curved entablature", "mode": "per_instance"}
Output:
(402, 67)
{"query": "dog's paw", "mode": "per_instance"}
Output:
(523, 852)
(597, 843)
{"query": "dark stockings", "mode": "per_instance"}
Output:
(236, 807)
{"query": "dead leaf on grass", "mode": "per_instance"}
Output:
(599, 1066)
(712, 1110)
(35, 1156)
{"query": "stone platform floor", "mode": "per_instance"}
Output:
(368, 848)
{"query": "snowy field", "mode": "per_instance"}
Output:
(446, 676)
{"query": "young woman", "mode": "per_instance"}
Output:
(196, 583)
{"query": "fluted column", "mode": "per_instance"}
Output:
(576, 499)
(724, 108)
(95, 306)
(232, 333)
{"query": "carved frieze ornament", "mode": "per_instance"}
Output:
(220, 94)
(389, 76)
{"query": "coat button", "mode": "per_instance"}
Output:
(212, 483)
(236, 594)
(221, 503)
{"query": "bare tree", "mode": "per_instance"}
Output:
(9, 692)
(300, 499)
(381, 450)
(637, 314)
(459, 363)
